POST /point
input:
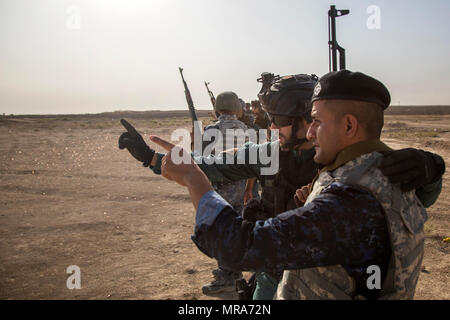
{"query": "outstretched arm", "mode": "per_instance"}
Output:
(216, 168)
(315, 235)
(187, 174)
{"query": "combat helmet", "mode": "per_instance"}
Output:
(288, 96)
(228, 100)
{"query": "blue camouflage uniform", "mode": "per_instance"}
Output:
(343, 225)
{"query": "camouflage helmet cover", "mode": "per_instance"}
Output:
(228, 100)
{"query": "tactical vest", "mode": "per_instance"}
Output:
(405, 218)
(295, 171)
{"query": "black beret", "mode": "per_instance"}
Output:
(347, 85)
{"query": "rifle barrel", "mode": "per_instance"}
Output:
(211, 95)
(333, 45)
(187, 93)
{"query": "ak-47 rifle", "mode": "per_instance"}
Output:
(333, 45)
(196, 128)
(190, 103)
(213, 101)
(211, 95)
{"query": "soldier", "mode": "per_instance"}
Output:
(228, 107)
(287, 101)
(246, 117)
(261, 118)
(248, 108)
(354, 218)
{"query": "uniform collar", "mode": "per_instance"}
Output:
(354, 151)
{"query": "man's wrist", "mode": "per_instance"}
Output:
(197, 183)
(154, 160)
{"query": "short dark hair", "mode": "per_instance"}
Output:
(369, 115)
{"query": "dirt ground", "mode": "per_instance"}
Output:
(69, 196)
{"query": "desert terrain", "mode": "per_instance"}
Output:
(69, 196)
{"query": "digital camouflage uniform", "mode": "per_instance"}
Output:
(233, 192)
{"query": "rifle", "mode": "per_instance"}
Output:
(196, 128)
(333, 45)
(187, 93)
(213, 100)
(211, 95)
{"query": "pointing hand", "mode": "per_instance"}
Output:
(135, 144)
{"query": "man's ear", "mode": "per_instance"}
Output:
(303, 127)
(351, 125)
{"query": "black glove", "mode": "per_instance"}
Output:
(135, 144)
(412, 168)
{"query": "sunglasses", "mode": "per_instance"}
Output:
(280, 121)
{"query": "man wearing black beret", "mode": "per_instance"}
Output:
(401, 166)
(357, 236)
(347, 118)
(354, 86)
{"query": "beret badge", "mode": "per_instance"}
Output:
(317, 89)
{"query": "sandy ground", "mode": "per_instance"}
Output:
(69, 196)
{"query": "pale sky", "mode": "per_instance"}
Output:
(89, 56)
